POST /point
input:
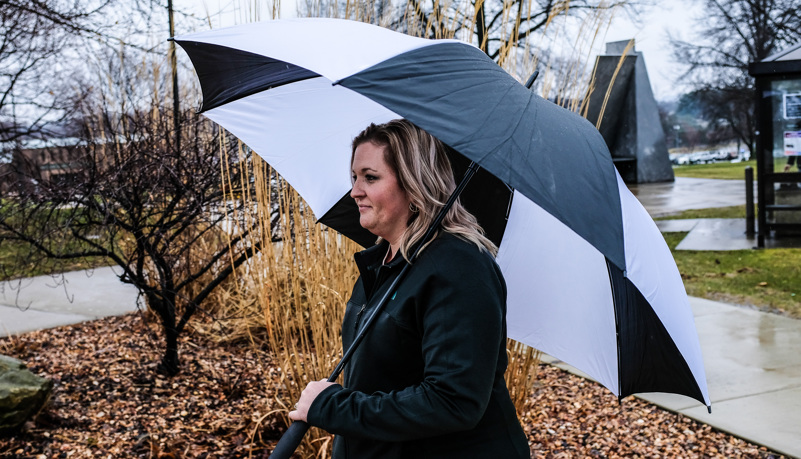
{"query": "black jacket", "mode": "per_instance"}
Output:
(427, 382)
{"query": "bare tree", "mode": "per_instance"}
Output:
(123, 190)
(730, 35)
(729, 113)
(33, 37)
(161, 214)
(494, 25)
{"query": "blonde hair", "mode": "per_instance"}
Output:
(421, 165)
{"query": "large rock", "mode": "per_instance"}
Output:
(22, 394)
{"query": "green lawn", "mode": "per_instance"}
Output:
(715, 212)
(722, 170)
(17, 260)
(769, 279)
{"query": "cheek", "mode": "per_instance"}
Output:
(399, 207)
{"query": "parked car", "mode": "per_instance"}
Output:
(703, 157)
(681, 160)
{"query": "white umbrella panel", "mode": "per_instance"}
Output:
(591, 280)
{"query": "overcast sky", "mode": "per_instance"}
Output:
(650, 32)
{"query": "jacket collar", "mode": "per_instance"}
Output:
(370, 260)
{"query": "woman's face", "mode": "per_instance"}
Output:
(383, 205)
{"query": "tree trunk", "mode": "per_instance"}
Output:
(170, 363)
(165, 309)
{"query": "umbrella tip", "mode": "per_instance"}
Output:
(709, 408)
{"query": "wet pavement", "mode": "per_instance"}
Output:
(661, 199)
(720, 234)
(51, 301)
(753, 371)
(752, 358)
(710, 233)
(664, 199)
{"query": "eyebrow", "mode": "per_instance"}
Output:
(366, 169)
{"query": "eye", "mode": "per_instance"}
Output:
(370, 178)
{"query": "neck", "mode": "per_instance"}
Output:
(390, 254)
(392, 251)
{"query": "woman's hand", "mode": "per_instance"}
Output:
(308, 395)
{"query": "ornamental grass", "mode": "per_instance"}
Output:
(291, 297)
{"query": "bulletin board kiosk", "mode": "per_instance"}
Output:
(778, 145)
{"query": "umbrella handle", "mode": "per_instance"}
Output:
(290, 441)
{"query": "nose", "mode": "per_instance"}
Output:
(356, 191)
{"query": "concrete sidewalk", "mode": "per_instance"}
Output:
(50, 301)
(720, 234)
(753, 370)
(752, 358)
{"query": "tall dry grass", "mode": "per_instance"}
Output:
(291, 297)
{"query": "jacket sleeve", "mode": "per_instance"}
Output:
(460, 312)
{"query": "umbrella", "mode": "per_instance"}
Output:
(590, 279)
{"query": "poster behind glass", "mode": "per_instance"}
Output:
(786, 101)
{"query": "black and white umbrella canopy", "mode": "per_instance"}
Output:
(590, 278)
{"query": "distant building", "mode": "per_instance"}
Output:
(34, 162)
(629, 115)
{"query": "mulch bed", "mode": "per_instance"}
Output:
(110, 402)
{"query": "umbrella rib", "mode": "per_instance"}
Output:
(617, 330)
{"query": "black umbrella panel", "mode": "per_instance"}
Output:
(590, 278)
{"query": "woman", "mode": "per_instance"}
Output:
(427, 381)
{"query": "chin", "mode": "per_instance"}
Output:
(366, 225)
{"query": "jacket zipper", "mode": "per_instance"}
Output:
(378, 281)
(359, 316)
